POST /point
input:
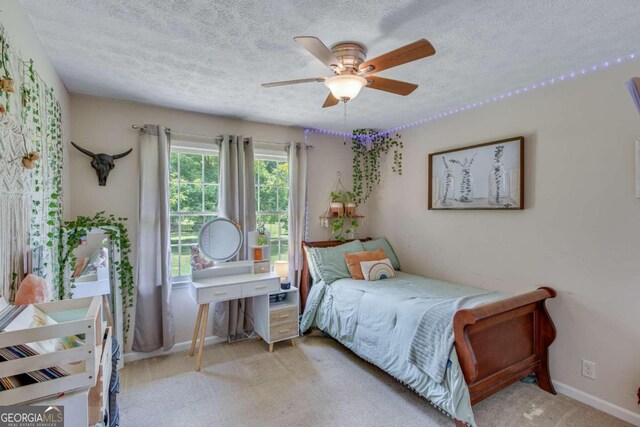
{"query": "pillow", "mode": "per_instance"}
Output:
(382, 242)
(377, 270)
(354, 260)
(313, 268)
(330, 261)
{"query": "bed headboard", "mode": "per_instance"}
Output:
(305, 281)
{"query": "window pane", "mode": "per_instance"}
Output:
(268, 199)
(173, 197)
(283, 173)
(173, 167)
(270, 224)
(185, 260)
(211, 198)
(190, 227)
(175, 261)
(174, 229)
(284, 250)
(259, 170)
(211, 169)
(284, 226)
(283, 199)
(190, 197)
(190, 167)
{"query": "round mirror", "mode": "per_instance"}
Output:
(220, 239)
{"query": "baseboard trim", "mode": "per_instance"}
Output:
(182, 346)
(596, 402)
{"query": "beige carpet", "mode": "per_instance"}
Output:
(316, 383)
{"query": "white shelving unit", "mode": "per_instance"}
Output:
(262, 265)
(278, 321)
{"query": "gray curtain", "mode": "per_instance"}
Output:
(297, 157)
(154, 319)
(236, 201)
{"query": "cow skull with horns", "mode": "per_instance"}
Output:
(102, 163)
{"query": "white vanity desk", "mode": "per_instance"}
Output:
(229, 281)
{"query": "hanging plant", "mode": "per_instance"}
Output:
(367, 160)
(114, 228)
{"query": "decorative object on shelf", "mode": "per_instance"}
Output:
(368, 151)
(281, 269)
(336, 208)
(198, 262)
(503, 163)
(259, 249)
(32, 290)
(341, 224)
(102, 163)
(71, 236)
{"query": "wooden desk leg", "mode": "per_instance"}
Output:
(107, 310)
(271, 348)
(203, 332)
(196, 329)
(293, 342)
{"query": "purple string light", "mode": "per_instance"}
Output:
(517, 91)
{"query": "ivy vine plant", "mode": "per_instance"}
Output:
(71, 235)
(368, 158)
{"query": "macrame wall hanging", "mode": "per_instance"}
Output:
(15, 203)
(31, 164)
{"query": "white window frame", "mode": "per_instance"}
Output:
(278, 155)
(191, 147)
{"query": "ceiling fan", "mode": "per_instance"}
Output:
(353, 72)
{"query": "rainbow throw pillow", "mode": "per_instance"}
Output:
(377, 270)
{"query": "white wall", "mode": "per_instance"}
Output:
(580, 232)
(103, 125)
(23, 37)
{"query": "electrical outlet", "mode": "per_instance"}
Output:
(588, 369)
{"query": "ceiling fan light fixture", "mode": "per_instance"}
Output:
(345, 87)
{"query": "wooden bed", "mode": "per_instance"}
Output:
(497, 344)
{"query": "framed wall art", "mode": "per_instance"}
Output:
(482, 176)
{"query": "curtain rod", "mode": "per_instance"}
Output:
(142, 128)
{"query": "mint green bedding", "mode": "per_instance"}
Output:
(377, 321)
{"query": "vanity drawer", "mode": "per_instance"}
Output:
(260, 287)
(219, 293)
(285, 330)
(283, 315)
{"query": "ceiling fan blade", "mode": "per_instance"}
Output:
(318, 49)
(411, 52)
(389, 85)
(330, 101)
(293, 82)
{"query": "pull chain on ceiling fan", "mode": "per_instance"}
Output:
(353, 72)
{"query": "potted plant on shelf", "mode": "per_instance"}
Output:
(336, 207)
(350, 205)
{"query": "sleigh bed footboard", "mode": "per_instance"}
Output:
(502, 342)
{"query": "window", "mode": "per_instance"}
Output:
(193, 200)
(193, 183)
(272, 201)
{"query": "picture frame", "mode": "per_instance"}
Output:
(487, 176)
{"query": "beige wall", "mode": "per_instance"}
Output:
(580, 232)
(24, 39)
(103, 125)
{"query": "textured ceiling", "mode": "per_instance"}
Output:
(211, 56)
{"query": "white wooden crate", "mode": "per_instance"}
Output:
(81, 316)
